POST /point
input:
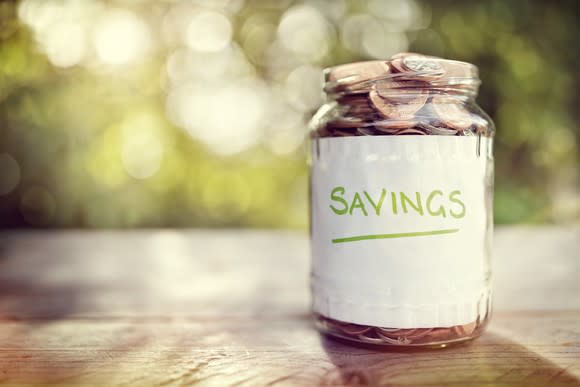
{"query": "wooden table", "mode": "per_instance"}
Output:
(231, 308)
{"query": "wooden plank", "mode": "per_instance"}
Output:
(230, 308)
(285, 351)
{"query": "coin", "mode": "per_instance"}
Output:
(343, 133)
(423, 67)
(356, 104)
(411, 131)
(412, 96)
(396, 110)
(353, 329)
(393, 126)
(457, 71)
(348, 76)
(366, 131)
(346, 123)
(413, 66)
(420, 63)
(436, 130)
(396, 341)
(395, 83)
(409, 94)
(452, 112)
(422, 332)
(397, 65)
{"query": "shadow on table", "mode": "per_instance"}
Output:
(489, 359)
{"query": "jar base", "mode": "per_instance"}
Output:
(428, 338)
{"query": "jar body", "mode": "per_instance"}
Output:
(401, 218)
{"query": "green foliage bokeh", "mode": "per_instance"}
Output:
(64, 126)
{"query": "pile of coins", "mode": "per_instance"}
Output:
(409, 94)
(394, 336)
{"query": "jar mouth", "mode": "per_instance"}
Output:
(404, 71)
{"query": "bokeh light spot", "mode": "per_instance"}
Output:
(66, 44)
(303, 87)
(371, 37)
(209, 32)
(306, 32)
(226, 117)
(121, 37)
(142, 150)
(401, 14)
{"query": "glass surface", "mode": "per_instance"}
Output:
(376, 102)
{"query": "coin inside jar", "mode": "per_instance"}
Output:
(451, 112)
(401, 110)
(356, 104)
(394, 126)
(423, 65)
(417, 67)
(404, 92)
(348, 77)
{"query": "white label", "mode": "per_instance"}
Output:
(399, 229)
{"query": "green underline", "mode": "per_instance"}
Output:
(395, 235)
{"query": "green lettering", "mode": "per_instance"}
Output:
(394, 202)
(376, 206)
(334, 196)
(453, 198)
(441, 210)
(416, 206)
(357, 203)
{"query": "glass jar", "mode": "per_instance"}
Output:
(401, 203)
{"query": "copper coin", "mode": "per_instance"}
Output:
(396, 83)
(392, 339)
(437, 130)
(394, 126)
(356, 104)
(355, 330)
(345, 123)
(397, 65)
(352, 99)
(411, 131)
(348, 76)
(411, 96)
(391, 131)
(366, 131)
(360, 110)
(397, 105)
(457, 71)
(395, 332)
(452, 112)
(422, 332)
(343, 133)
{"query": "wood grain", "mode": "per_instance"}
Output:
(230, 308)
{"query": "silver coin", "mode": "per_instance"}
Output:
(422, 64)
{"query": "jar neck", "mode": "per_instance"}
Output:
(403, 73)
(465, 91)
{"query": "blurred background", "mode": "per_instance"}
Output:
(193, 113)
